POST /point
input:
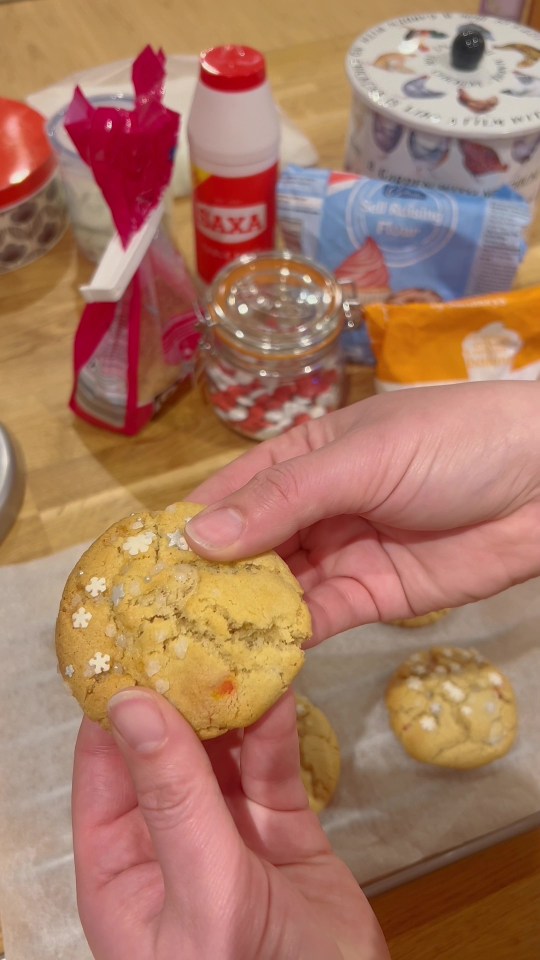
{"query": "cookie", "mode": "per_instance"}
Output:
(221, 641)
(423, 621)
(319, 753)
(448, 706)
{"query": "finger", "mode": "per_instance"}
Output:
(194, 837)
(108, 833)
(278, 502)
(270, 759)
(277, 822)
(224, 755)
(338, 605)
(102, 787)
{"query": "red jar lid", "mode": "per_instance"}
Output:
(26, 158)
(232, 68)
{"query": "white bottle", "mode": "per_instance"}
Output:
(233, 135)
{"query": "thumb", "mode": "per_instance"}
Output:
(194, 837)
(278, 502)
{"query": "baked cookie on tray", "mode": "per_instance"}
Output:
(221, 641)
(319, 753)
(450, 707)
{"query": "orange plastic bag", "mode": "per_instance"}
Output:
(495, 337)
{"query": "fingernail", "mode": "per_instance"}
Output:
(139, 721)
(216, 528)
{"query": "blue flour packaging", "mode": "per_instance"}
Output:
(401, 244)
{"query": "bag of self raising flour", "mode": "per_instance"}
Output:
(481, 338)
(399, 243)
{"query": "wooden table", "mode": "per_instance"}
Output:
(79, 479)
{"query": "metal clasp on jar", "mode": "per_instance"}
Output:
(351, 305)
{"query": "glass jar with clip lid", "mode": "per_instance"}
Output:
(271, 353)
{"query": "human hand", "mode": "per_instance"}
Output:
(205, 855)
(393, 507)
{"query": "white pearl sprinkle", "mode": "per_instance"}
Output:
(180, 648)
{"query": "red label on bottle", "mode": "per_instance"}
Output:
(232, 216)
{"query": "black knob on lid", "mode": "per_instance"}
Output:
(467, 49)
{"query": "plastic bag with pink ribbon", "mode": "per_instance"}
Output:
(131, 353)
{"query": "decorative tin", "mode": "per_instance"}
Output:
(448, 101)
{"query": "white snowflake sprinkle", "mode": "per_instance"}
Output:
(436, 708)
(70, 670)
(138, 525)
(138, 543)
(495, 678)
(453, 691)
(177, 540)
(162, 686)
(96, 586)
(414, 683)
(467, 711)
(81, 618)
(428, 723)
(101, 663)
(118, 593)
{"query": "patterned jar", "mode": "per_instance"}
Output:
(32, 206)
(271, 355)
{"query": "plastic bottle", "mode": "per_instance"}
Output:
(233, 135)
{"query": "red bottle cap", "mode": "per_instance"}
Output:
(232, 68)
(26, 158)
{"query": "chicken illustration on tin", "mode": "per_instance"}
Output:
(386, 133)
(428, 149)
(480, 160)
(393, 63)
(476, 105)
(524, 148)
(418, 90)
(529, 86)
(418, 39)
(530, 55)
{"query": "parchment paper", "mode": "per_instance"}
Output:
(389, 812)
